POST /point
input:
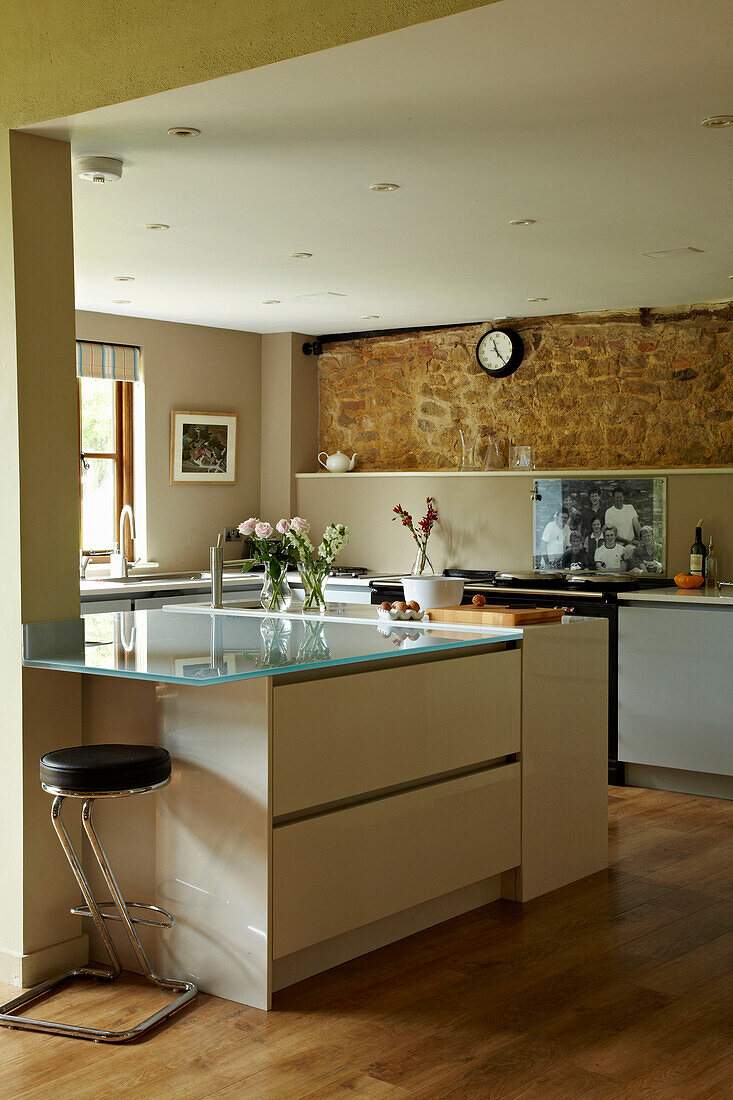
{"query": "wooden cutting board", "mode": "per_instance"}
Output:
(469, 615)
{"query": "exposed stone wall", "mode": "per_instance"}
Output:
(642, 388)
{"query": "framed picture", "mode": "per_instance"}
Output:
(203, 448)
(614, 524)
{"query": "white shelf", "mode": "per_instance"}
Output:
(528, 473)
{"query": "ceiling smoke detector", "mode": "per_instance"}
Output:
(271, 302)
(370, 316)
(537, 299)
(301, 255)
(159, 226)
(523, 221)
(98, 169)
(384, 186)
(123, 279)
(183, 131)
(121, 302)
(716, 122)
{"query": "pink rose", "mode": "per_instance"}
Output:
(302, 526)
(247, 528)
(283, 526)
(263, 530)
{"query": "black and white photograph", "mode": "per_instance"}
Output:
(614, 525)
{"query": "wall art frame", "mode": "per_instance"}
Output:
(203, 448)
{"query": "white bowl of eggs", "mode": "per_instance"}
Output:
(399, 611)
(432, 591)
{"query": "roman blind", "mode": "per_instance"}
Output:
(118, 362)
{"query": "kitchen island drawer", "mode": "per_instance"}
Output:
(347, 868)
(340, 738)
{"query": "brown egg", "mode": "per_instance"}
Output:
(414, 605)
(400, 605)
(385, 606)
(479, 600)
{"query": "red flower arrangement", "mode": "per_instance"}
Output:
(421, 533)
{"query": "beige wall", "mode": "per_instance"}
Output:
(486, 519)
(39, 493)
(200, 369)
(289, 420)
(57, 61)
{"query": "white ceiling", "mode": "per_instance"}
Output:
(583, 116)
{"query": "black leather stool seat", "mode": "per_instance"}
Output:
(105, 768)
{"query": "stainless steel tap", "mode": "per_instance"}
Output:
(118, 562)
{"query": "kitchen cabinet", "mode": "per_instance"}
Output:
(675, 687)
(339, 871)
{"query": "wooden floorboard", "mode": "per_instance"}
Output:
(618, 986)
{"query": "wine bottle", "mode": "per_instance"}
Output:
(711, 566)
(698, 553)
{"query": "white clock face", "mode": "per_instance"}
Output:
(495, 351)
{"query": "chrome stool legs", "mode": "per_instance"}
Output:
(100, 913)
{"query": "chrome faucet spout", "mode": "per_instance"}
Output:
(126, 511)
(118, 561)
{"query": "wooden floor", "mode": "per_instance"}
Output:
(618, 986)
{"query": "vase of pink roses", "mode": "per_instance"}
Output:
(276, 554)
(314, 565)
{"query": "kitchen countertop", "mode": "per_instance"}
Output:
(180, 647)
(690, 597)
(100, 588)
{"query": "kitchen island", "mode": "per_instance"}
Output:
(337, 785)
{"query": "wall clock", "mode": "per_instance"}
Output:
(500, 351)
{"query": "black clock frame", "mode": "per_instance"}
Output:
(515, 358)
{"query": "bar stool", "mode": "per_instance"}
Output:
(88, 773)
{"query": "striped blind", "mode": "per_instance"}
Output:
(118, 362)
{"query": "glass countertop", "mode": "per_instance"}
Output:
(181, 647)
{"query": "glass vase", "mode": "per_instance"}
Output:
(422, 565)
(276, 594)
(468, 450)
(314, 578)
(492, 458)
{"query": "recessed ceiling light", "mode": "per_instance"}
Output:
(384, 186)
(523, 221)
(123, 279)
(301, 255)
(370, 316)
(271, 302)
(716, 122)
(98, 169)
(537, 299)
(157, 225)
(121, 302)
(183, 131)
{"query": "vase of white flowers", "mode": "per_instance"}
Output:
(276, 555)
(314, 565)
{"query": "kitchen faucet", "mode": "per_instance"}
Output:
(117, 561)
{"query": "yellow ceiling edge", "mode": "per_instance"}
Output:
(60, 57)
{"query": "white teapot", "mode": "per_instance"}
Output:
(338, 463)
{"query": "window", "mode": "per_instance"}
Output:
(105, 437)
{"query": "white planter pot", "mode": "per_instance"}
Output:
(431, 591)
